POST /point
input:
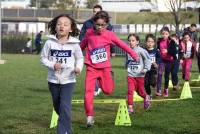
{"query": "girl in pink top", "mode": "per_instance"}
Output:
(97, 43)
(165, 62)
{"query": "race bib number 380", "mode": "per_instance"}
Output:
(99, 55)
(60, 56)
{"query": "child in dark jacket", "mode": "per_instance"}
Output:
(151, 75)
(176, 52)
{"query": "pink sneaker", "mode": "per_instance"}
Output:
(166, 92)
(130, 109)
(158, 93)
(147, 102)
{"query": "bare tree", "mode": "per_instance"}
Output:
(65, 4)
(91, 3)
(175, 7)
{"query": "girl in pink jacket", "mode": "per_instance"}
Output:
(97, 43)
(165, 62)
(188, 47)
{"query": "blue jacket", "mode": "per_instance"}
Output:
(38, 40)
(154, 55)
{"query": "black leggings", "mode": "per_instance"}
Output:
(198, 62)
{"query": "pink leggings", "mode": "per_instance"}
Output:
(186, 68)
(135, 84)
(106, 83)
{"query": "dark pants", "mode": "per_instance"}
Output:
(168, 70)
(37, 48)
(97, 85)
(61, 96)
(198, 62)
(174, 72)
(171, 67)
(161, 69)
(165, 66)
(150, 80)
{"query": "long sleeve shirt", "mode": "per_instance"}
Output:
(97, 47)
(139, 68)
(163, 45)
(69, 55)
(188, 49)
(89, 24)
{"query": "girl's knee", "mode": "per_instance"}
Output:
(108, 91)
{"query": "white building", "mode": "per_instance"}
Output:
(80, 3)
(140, 5)
(15, 3)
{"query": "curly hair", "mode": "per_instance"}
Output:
(102, 15)
(53, 22)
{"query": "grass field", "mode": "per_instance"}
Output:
(26, 106)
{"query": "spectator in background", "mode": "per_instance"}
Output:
(38, 42)
(192, 30)
(89, 24)
(28, 46)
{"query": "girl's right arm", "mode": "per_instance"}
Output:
(44, 56)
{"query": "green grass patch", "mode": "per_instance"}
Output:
(26, 106)
(155, 18)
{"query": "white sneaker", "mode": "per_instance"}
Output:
(90, 121)
(96, 93)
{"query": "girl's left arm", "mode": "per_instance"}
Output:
(124, 46)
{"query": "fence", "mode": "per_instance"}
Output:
(33, 13)
(145, 28)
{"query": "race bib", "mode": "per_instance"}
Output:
(99, 55)
(153, 58)
(188, 54)
(61, 56)
(189, 49)
(134, 67)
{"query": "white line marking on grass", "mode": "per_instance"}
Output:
(167, 99)
(194, 87)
